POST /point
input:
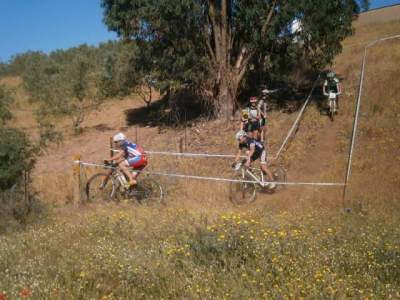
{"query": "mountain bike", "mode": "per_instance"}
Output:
(245, 192)
(114, 187)
(332, 108)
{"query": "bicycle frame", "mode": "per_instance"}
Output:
(259, 180)
(332, 102)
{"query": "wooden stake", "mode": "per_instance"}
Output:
(111, 147)
(77, 179)
(185, 137)
(180, 145)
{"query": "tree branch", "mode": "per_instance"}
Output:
(269, 18)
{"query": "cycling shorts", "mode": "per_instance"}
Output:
(137, 162)
(260, 155)
(251, 126)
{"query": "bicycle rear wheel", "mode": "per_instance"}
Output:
(148, 190)
(279, 174)
(241, 193)
(98, 188)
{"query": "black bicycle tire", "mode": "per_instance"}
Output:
(92, 178)
(144, 184)
(233, 192)
(281, 177)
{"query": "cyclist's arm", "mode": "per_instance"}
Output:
(118, 156)
(260, 113)
(339, 88)
(324, 89)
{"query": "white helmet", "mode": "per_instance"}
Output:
(240, 134)
(119, 137)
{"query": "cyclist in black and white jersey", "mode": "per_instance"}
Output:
(332, 85)
(254, 150)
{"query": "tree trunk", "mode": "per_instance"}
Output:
(225, 101)
(229, 71)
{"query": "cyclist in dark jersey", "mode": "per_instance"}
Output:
(332, 85)
(254, 150)
(252, 117)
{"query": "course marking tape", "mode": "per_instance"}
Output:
(298, 118)
(218, 178)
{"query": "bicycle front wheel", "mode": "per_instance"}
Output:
(332, 108)
(242, 192)
(149, 190)
(99, 187)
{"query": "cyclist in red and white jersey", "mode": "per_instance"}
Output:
(130, 156)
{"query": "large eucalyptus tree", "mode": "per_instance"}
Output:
(210, 44)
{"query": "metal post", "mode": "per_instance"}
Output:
(357, 112)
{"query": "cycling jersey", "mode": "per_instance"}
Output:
(259, 150)
(331, 85)
(134, 154)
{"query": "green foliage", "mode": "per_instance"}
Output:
(63, 82)
(48, 134)
(210, 45)
(15, 156)
(121, 71)
(5, 99)
(4, 69)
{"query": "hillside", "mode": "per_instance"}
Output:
(295, 243)
(318, 153)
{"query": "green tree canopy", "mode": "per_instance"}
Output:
(210, 45)
(15, 154)
(5, 100)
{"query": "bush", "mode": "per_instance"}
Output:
(5, 99)
(19, 208)
(15, 156)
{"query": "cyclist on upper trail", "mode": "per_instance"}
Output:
(130, 156)
(253, 119)
(332, 85)
(254, 150)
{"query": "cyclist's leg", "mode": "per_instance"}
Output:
(264, 168)
(124, 166)
(137, 164)
(255, 129)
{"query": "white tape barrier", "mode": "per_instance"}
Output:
(217, 178)
(298, 118)
(187, 154)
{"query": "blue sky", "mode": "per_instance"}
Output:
(47, 25)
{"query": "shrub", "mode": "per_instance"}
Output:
(15, 156)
